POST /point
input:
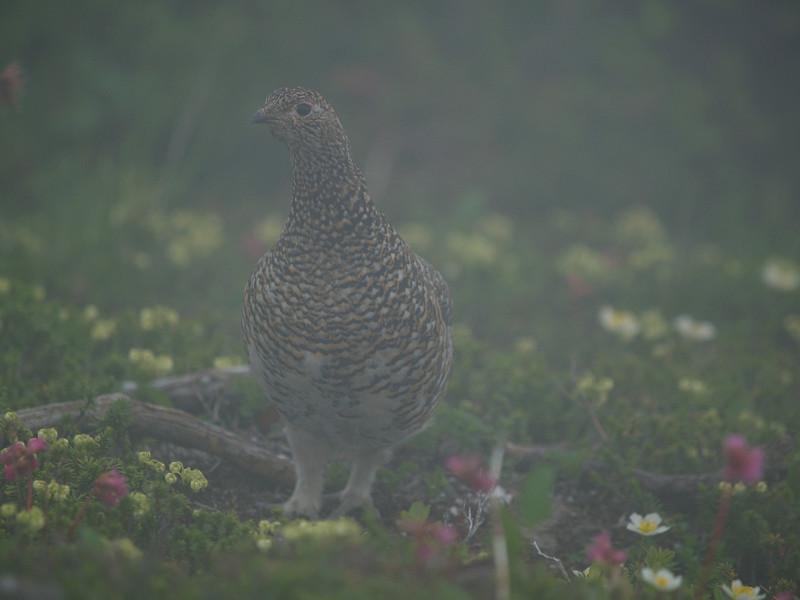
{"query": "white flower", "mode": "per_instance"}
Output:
(621, 322)
(737, 591)
(780, 274)
(663, 579)
(584, 574)
(694, 330)
(650, 524)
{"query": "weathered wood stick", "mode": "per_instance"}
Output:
(171, 425)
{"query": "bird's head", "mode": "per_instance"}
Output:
(303, 120)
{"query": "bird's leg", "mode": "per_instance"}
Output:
(310, 455)
(356, 493)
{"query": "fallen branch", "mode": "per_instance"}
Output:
(171, 425)
(202, 391)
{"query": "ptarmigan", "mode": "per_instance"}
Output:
(346, 330)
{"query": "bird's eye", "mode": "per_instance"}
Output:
(303, 109)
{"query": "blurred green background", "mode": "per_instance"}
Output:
(133, 112)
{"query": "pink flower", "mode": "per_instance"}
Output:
(429, 538)
(37, 444)
(111, 488)
(578, 288)
(741, 461)
(12, 80)
(469, 469)
(252, 247)
(601, 551)
(784, 596)
(20, 460)
(444, 534)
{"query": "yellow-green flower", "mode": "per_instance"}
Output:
(473, 249)
(195, 478)
(149, 363)
(321, 531)
(498, 227)
(663, 579)
(157, 317)
(190, 235)
(103, 329)
(263, 544)
(223, 362)
(737, 591)
(594, 388)
(49, 435)
(81, 439)
(266, 527)
(525, 345)
(693, 386)
(32, 519)
(648, 525)
(58, 491)
(639, 224)
(9, 509)
(125, 547)
(140, 502)
(585, 261)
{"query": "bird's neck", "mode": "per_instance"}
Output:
(318, 170)
(331, 195)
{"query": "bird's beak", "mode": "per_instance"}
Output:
(261, 116)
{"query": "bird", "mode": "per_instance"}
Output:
(347, 331)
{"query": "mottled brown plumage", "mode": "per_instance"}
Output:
(346, 330)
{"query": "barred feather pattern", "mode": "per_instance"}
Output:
(347, 331)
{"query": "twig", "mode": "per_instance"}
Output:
(499, 543)
(479, 518)
(716, 536)
(553, 558)
(582, 401)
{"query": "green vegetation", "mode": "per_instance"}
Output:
(610, 191)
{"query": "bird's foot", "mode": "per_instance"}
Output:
(349, 503)
(300, 506)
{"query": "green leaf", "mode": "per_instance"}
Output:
(419, 511)
(534, 497)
